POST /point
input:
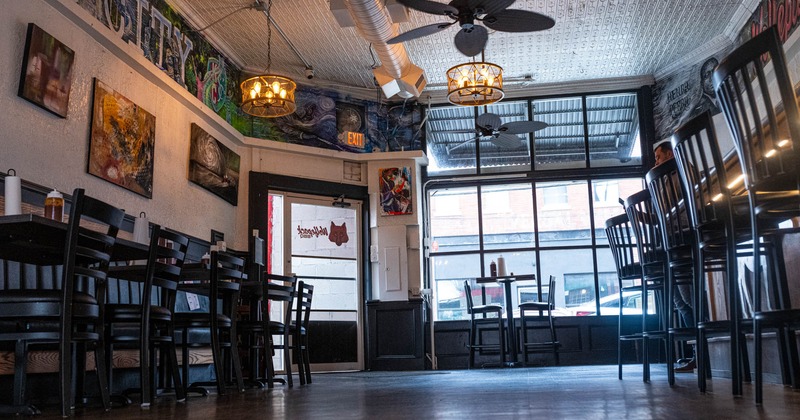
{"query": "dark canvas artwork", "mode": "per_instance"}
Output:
(46, 78)
(122, 141)
(395, 188)
(213, 166)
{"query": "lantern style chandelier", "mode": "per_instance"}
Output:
(475, 83)
(268, 95)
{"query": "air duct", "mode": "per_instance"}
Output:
(397, 74)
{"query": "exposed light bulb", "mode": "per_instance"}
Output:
(276, 87)
(253, 93)
(283, 94)
(257, 87)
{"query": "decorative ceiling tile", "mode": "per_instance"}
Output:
(592, 39)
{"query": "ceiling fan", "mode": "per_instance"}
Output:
(490, 127)
(471, 39)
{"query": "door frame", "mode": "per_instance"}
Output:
(261, 184)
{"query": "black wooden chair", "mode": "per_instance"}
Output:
(216, 328)
(622, 241)
(765, 126)
(140, 311)
(299, 330)
(534, 311)
(66, 310)
(652, 258)
(277, 296)
(477, 318)
(679, 242)
(721, 221)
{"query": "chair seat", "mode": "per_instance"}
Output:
(487, 309)
(275, 327)
(20, 303)
(778, 204)
(124, 312)
(630, 272)
(199, 320)
(779, 317)
(534, 306)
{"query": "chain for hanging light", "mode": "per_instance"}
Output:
(268, 95)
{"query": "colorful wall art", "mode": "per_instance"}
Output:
(395, 188)
(213, 166)
(46, 77)
(122, 141)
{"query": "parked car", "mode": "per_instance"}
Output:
(609, 305)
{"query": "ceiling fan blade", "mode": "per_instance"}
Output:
(488, 121)
(464, 143)
(430, 7)
(419, 32)
(521, 127)
(506, 141)
(471, 41)
(466, 131)
(518, 21)
(488, 6)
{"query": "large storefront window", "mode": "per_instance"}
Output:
(549, 223)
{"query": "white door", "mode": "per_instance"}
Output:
(320, 243)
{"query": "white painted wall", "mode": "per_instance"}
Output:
(53, 152)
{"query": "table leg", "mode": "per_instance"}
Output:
(512, 332)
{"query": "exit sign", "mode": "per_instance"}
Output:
(354, 139)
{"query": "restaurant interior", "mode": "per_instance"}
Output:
(363, 208)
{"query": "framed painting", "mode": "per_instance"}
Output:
(213, 166)
(395, 189)
(122, 141)
(46, 78)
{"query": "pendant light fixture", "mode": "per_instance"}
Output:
(268, 95)
(475, 83)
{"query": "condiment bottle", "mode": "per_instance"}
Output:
(54, 206)
(493, 269)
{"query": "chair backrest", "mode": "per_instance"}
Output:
(551, 293)
(468, 294)
(644, 222)
(663, 182)
(764, 121)
(91, 234)
(703, 173)
(305, 293)
(623, 247)
(281, 291)
(227, 272)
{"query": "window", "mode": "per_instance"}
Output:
(543, 209)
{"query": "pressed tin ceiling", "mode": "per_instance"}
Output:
(593, 40)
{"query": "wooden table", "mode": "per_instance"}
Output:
(506, 282)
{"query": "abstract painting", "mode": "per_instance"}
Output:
(46, 77)
(213, 166)
(122, 141)
(395, 188)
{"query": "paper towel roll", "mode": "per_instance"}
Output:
(13, 193)
(501, 267)
(141, 229)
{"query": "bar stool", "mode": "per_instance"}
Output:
(622, 240)
(652, 258)
(475, 338)
(721, 221)
(765, 126)
(679, 241)
(532, 311)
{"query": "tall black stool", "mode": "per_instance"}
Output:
(478, 317)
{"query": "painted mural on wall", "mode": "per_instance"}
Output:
(167, 41)
(684, 94)
(785, 14)
(122, 141)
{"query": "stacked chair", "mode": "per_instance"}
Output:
(141, 311)
(622, 240)
(477, 319)
(652, 258)
(765, 126)
(533, 311)
(299, 330)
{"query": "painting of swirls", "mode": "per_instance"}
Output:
(122, 141)
(46, 77)
(213, 166)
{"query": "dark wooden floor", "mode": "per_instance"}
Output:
(581, 392)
